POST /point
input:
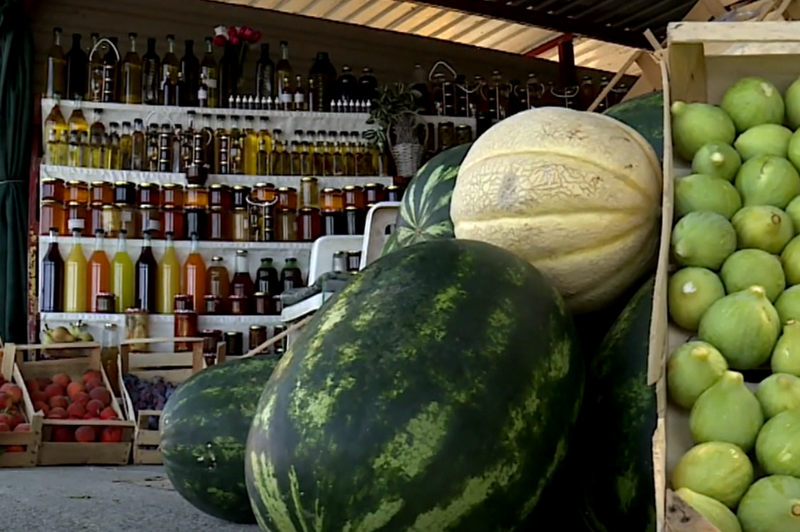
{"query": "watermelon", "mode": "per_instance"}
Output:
(616, 426)
(425, 211)
(435, 393)
(645, 114)
(204, 431)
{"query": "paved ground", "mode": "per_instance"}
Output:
(98, 499)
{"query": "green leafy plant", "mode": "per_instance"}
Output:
(394, 107)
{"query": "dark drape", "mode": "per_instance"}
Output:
(16, 57)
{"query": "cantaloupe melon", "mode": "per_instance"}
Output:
(576, 194)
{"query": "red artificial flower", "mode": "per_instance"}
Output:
(233, 31)
(220, 40)
(234, 40)
(255, 37)
(248, 34)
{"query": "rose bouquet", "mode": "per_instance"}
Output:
(239, 38)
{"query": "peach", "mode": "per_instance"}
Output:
(23, 427)
(5, 400)
(91, 375)
(4, 427)
(39, 397)
(82, 398)
(111, 435)
(13, 390)
(16, 419)
(57, 413)
(61, 379)
(41, 406)
(74, 388)
(6, 419)
(88, 415)
(108, 414)
(85, 434)
(101, 394)
(44, 382)
(32, 385)
(63, 434)
(75, 411)
(53, 390)
(94, 407)
(58, 400)
(92, 384)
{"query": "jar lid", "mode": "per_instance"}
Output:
(241, 252)
(372, 185)
(233, 333)
(75, 182)
(285, 189)
(308, 209)
(393, 187)
(352, 187)
(135, 311)
(100, 183)
(105, 294)
(121, 204)
(216, 259)
(286, 209)
(216, 186)
(148, 185)
(216, 208)
(146, 206)
(261, 185)
(237, 298)
(259, 294)
(170, 186)
(351, 208)
(211, 297)
(50, 202)
(463, 126)
(73, 204)
(240, 209)
(240, 187)
(170, 207)
(193, 186)
(308, 179)
(123, 184)
(258, 328)
(96, 204)
(328, 190)
(51, 180)
(108, 207)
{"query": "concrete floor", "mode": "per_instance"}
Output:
(99, 499)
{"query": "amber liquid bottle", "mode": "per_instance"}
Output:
(132, 74)
(146, 271)
(111, 72)
(76, 70)
(283, 72)
(242, 284)
(265, 74)
(52, 292)
(151, 74)
(169, 72)
(55, 68)
(209, 76)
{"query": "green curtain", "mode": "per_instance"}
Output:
(16, 91)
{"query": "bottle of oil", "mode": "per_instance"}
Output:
(250, 147)
(83, 139)
(74, 150)
(263, 157)
(209, 156)
(151, 150)
(96, 147)
(169, 71)
(165, 148)
(126, 147)
(111, 66)
(227, 69)
(328, 151)
(299, 96)
(322, 77)
(138, 145)
(222, 146)
(337, 157)
(53, 149)
(54, 128)
(208, 75)
(283, 71)
(348, 153)
(55, 68)
(76, 70)
(321, 161)
(306, 159)
(287, 96)
(113, 155)
(235, 154)
(132, 74)
(77, 122)
(295, 153)
(265, 74)
(94, 79)
(277, 153)
(151, 74)
(190, 71)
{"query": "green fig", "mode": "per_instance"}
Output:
(712, 510)
(786, 355)
(692, 369)
(703, 239)
(727, 412)
(744, 326)
(772, 504)
(792, 100)
(718, 160)
(718, 470)
(698, 192)
(751, 267)
(788, 304)
(778, 444)
(777, 393)
(690, 292)
(697, 124)
(790, 261)
(762, 227)
(793, 211)
(768, 180)
(765, 139)
(753, 101)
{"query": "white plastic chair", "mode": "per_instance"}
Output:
(379, 217)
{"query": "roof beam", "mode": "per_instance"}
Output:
(531, 17)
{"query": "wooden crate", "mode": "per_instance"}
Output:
(174, 367)
(29, 442)
(74, 453)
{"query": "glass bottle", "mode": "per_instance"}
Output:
(54, 127)
(306, 159)
(267, 279)
(190, 71)
(74, 150)
(321, 157)
(151, 148)
(122, 277)
(367, 85)
(217, 279)
(251, 147)
(279, 158)
(99, 271)
(222, 140)
(113, 155)
(169, 278)
(208, 77)
(109, 352)
(291, 276)
(151, 74)
(323, 77)
(55, 68)
(181, 94)
(242, 284)
(299, 96)
(228, 67)
(83, 149)
(132, 74)
(262, 163)
(194, 274)
(76, 70)
(94, 78)
(169, 73)
(348, 153)
(295, 153)
(126, 147)
(286, 95)
(346, 89)
(77, 122)
(235, 159)
(265, 74)
(419, 79)
(111, 72)
(137, 145)
(75, 277)
(283, 71)
(52, 274)
(207, 133)
(146, 278)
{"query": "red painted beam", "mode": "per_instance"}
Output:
(549, 45)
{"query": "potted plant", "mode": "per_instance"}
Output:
(395, 116)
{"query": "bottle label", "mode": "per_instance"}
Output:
(299, 97)
(154, 225)
(286, 98)
(211, 83)
(75, 224)
(127, 216)
(202, 94)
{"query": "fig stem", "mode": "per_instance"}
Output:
(717, 158)
(796, 510)
(776, 219)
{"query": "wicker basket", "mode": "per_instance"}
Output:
(407, 158)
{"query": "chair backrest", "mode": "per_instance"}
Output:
(381, 216)
(323, 250)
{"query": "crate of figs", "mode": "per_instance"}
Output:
(20, 427)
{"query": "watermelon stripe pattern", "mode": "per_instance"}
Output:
(434, 394)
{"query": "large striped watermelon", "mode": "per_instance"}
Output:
(205, 426)
(645, 114)
(425, 211)
(616, 426)
(434, 394)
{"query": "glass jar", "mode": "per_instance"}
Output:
(355, 220)
(258, 335)
(196, 196)
(374, 193)
(353, 196)
(150, 220)
(105, 303)
(125, 193)
(353, 261)
(149, 194)
(280, 347)
(77, 191)
(333, 223)
(262, 304)
(128, 220)
(340, 262)
(185, 325)
(182, 302)
(78, 218)
(214, 305)
(172, 195)
(234, 344)
(102, 192)
(309, 224)
(196, 222)
(137, 326)
(96, 216)
(52, 189)
(394, 193)
(220, 195)
(309, 192)
(446, 135)
(173, 221)
(331, 200)
(237, 305)
(241, 225)
(240, 194)
(53, 216)
(219, 224)
(287, 198)
(111, 221)
(286, 225)
(277, 305)
(264, 192)
(210, 340)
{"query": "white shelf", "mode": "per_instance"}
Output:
(88, 175)
(158, 245)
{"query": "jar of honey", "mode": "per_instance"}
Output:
(125, 193)
(172, 195)
(128, 221)
(53, 217)
(264, 192)
(241, 225)
(219, 223)
(78, 218)
(286, 225)
(353, 196)
(111, 221)
(77, 191)
(196, 197)
(262, 303)
(220, 196)
(331, 200)
(238, 305)
(355, 219)
(105, 303)
(185, 326)
(287, 198)
(394, 193)
(96, 216)
(149, 194)
(309, 224)
(173, 221)
(258, 335)
(182, 302)
(309, 192)
(52, 189)
(240, 194)
(149, 220)
(214, 306)
(374, 193)
(197, 222)
(102, 192)
(463, 134)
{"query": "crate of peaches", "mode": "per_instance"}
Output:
(20, 428)
(83, 423)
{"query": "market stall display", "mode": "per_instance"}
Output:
(20, 425)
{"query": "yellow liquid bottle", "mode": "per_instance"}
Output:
(126, 147)
(54, 127)
(122, 276)
(169, 279)
(75, 276)
(55, 68)
(132, 74)
(250, 147)
(77, 122)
